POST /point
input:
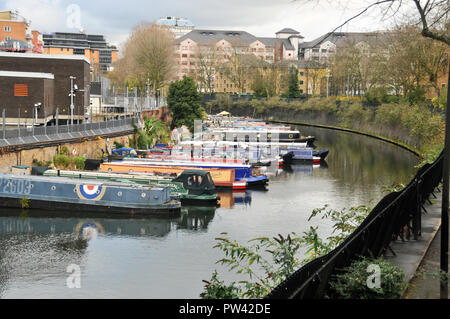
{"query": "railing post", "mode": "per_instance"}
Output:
(18, 125)
(57, 121)
(4, 123)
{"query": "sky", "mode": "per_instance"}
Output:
(263, 18)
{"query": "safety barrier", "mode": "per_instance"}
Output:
(42, 134)
(388, 220)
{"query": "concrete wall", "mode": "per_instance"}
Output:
(93, 149)
(161, 113)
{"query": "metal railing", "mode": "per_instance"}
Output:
(386, 222)
(42, 134)
(130, 104)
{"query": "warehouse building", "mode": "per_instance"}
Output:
(29, 79)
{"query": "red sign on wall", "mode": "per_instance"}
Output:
(20, 89)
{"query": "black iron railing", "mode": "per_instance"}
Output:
(387, 221)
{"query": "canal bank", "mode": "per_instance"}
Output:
(414, 257)
(92, 148)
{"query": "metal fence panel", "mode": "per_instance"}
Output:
(385, 222)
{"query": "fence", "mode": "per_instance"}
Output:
(130, 104)
(42, 134)
(385, 223)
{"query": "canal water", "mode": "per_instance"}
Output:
(41, 254)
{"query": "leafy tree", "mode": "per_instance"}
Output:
(140, 139)
(184, 102)
(156, 130)
(293, 90)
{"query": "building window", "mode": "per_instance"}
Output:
(324, 50)
(301, 82)
(315, 50)
(7, 28)
(20, 90)
(184, 55)
(302, 73)
(7, 38)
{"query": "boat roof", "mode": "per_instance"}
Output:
(67, 180)
(195, 172)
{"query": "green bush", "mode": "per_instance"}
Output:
(118, 145)
(377, 95)
(353, 282)
(79, 162)
(36, 162)
(62, 161)
(64, 151)
(216, 289)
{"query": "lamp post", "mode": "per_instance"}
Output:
(72, 94)
(37, 106)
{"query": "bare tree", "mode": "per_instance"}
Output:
(239, 68)
(204, 68)
(148, 56)
(431, 15)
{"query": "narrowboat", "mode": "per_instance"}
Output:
(198, 191)
(58, 193)
(222, 178)
(265, 135)
(242, 172)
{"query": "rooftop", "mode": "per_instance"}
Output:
(340, 38)
(44, 56)
(205, 37)
(27, 74)
(289, 31)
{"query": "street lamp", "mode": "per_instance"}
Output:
(73, 89)
(37, 107)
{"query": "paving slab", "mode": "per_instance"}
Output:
(411, 254)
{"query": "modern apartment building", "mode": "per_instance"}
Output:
(219, 45)
(16, 34)
(179, 26)
(94, 47)
(323, 47)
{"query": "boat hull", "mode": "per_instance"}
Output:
(56, 193)
(171, 210)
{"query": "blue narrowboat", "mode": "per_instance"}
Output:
(59, 193)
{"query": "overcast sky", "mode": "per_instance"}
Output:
(115, 19)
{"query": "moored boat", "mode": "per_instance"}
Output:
(222, 178)
(188, 193)
(242, 172)
(53, 193)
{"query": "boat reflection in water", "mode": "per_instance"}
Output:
(229, 199)
(306, 169)
(84, 227)
(196, 218)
